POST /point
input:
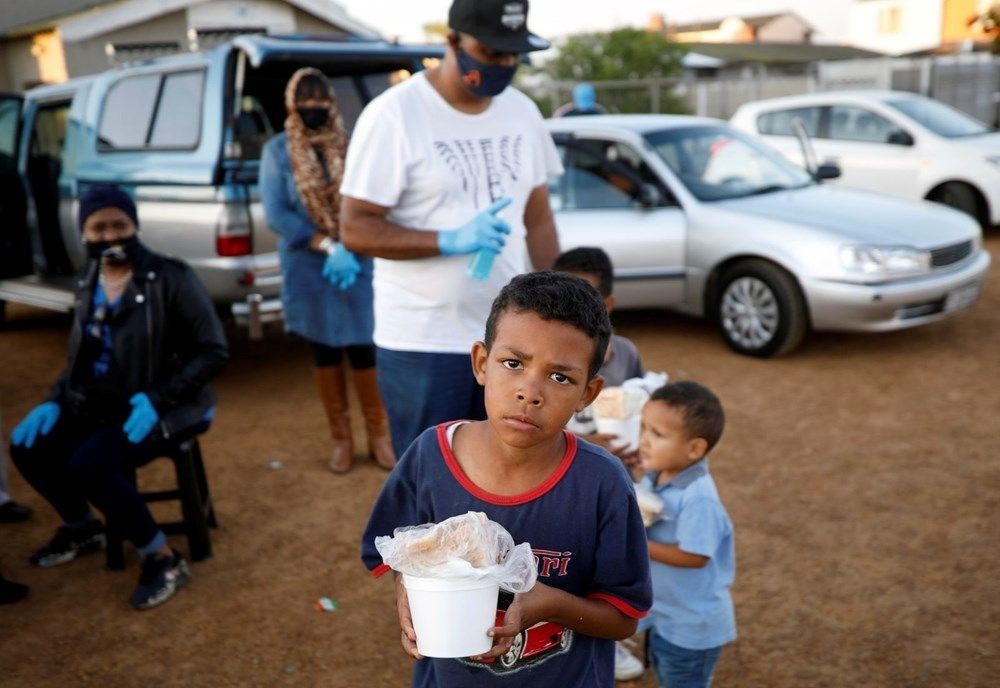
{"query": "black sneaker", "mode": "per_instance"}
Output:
(161, 576)
(69, 542)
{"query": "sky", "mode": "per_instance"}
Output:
(555, 18)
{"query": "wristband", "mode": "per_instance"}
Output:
(328, 245)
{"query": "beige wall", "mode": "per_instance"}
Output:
(18, 67)
(307, 23)
(784, 29)
(88, 57)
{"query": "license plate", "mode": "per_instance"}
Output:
(962, 297)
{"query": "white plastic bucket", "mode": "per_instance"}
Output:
(451, 615)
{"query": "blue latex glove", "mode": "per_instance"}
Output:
(39, 421)
(341, 268)
(484, 231)
(142, 420)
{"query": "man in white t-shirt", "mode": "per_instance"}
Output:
(445, 168)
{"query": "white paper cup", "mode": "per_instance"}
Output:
(451, 615)
(626, 429)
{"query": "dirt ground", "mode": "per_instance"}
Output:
(861, 474)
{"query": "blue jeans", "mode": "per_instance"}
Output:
(421, 389)
(678, 667)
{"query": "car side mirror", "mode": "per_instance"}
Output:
(648, 195)
(827, 170)
(900, 138)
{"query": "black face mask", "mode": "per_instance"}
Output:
(117, 252)
(314, 117)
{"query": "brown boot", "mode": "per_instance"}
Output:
(333, 393)
(376, 422)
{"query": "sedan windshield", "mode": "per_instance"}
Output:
(717, 163)
(939, 118)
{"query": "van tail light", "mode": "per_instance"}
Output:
(233, 245)
(233, 233)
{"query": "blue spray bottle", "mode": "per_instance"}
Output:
(482, 260)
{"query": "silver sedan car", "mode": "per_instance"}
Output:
(701, 218)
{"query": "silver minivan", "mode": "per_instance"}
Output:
(184, 134)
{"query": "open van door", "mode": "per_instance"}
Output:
(15, 245)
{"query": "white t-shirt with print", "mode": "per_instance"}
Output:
(436, 168)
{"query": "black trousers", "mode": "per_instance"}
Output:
(78, 462)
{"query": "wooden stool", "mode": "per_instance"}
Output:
(196, 507)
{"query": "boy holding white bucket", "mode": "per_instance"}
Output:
(545, 340)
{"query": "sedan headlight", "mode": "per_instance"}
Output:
(885, 261)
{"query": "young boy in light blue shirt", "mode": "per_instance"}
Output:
(691, 542)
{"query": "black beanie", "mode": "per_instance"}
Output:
(106, 196)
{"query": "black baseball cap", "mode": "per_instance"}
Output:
(500, 24)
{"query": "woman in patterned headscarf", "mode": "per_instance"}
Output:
(327, 290)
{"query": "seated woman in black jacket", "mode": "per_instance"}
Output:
(144, 344)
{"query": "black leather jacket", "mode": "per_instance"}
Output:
(168, 342)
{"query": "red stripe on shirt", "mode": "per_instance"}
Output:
(504, 500)
(380, 570)
(619, 604)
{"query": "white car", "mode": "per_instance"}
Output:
(891, 142)
(704, 219)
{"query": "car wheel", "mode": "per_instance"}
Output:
(958, 196)
(509, 658)
(759, 310)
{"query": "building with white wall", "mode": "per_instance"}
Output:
(899, 27)
(48, 41)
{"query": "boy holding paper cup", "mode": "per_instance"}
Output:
(545, 340)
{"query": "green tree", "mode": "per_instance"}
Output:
(619, 54)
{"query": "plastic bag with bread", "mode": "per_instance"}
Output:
(465, 546)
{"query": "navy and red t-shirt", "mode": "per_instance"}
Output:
(584, 527)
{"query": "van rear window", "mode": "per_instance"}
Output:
(152, 112)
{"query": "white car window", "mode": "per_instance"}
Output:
(850, 123)
(939, 118)
(781, 122)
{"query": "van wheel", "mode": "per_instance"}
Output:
(759, 310)
(960, 197)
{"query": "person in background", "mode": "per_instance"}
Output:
(327, 290)
(447, 169)
(584, 103)
(691, 540)
(621, 363)
(144, 343)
